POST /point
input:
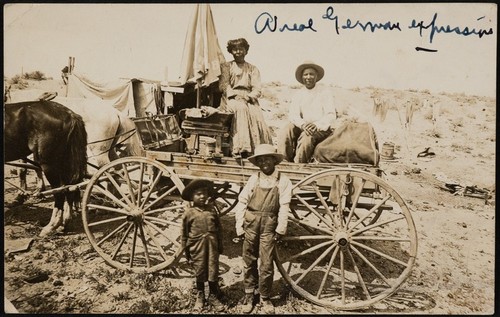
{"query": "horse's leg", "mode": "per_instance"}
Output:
(40, 183)
(71, 205)
(56, 219)
(23, 185)
(23, 173)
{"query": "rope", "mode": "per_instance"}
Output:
(113, 137)
(117, 144)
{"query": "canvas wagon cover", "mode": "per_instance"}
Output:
(131, 96)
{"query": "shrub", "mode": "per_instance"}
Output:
(36, 75)
(19, 81)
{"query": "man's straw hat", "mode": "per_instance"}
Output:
(309, 64)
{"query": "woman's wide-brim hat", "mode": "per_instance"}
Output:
(187, 193)
(265, 150)
(309, 64)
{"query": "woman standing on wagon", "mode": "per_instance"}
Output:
(241, 87)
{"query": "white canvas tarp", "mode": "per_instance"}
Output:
(131, 96)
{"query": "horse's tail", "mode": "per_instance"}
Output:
(76, 160)
(129, 136)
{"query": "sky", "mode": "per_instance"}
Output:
(110, 41)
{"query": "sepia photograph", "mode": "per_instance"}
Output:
(249, 158)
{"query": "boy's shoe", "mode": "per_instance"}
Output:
(200, 301)
(267, 306)
(247, 306)
(216, 303)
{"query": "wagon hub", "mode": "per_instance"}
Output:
(136, 214)
(342, 239)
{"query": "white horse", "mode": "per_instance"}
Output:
(106, 127)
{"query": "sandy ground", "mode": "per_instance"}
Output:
(454, 269)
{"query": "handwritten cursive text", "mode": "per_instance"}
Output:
(266, 21)
(447, 29)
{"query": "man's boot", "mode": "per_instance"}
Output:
(200, 301)
(247, 306)
(214, 297)
(267, 306)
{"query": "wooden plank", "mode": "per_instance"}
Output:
(237, 170)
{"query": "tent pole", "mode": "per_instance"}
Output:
(69, 73)
(198, 101)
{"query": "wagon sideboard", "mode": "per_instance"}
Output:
(237, 171)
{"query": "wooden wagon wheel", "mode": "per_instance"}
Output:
(132, 214)
(350, 242)
(226, 197)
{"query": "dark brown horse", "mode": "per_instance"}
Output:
(57, 138)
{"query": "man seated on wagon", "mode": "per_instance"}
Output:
(311, 115)
(320, 129)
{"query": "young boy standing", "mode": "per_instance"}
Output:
(201, 240)
(261, 216)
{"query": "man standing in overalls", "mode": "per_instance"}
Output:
(261, 216)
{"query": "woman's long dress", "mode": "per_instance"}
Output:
(248, 127)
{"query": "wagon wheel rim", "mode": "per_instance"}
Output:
(226, 198)
(132, 214)
(350, 252)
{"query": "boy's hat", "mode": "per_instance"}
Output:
(187, 193)
(265, 150)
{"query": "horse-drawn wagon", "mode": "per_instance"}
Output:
(351, 239)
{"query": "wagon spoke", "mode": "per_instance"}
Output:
(118, 247)
(388, 257)
(106, 208)
(314, 211)
(145, 245)
(130, 187)
(380, 203)
(163, 221)
(139, 191)
(155, 241)
(328, 269)
(112, 233)
(377, 238)
(97, 223)
(340, 198)
(132, 247)
(358, 273)
(325, 205)
(150, 190)
(162, 196)
(112, 197)
(370, 264)
(163, 233)
(355, 200)
(117, 187)
(342, 276)
(311, 229)
(297, 238)
(377, 224)
(313, 265)
(308, 250)
(164, 209)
